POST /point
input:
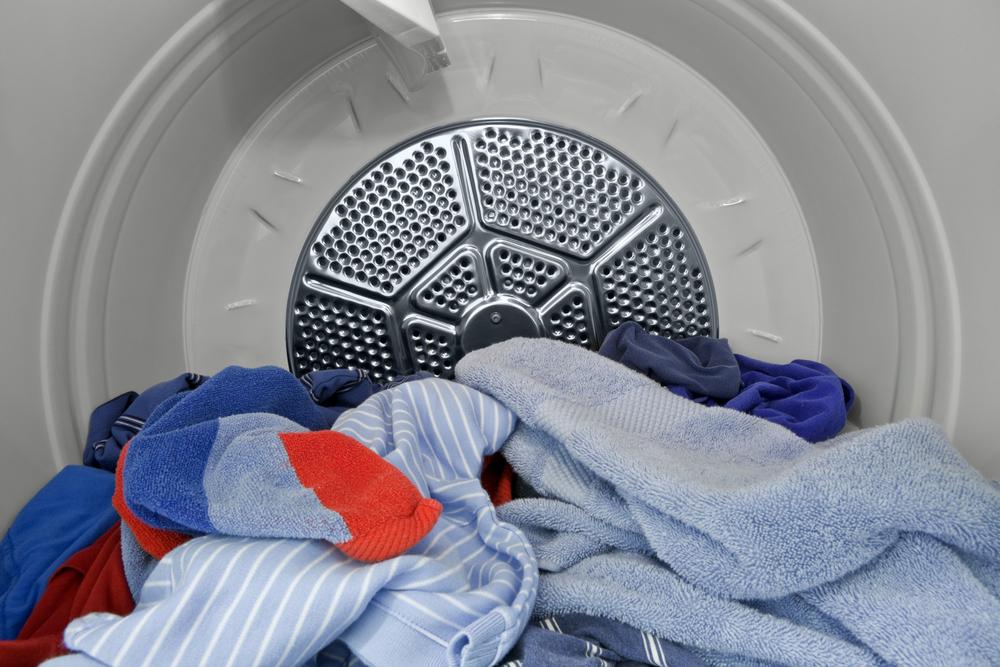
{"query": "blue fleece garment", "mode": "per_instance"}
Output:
(115, 422)
(700, 368)
(577, 640)
(729, 534)
(68, 514)
(804, 396)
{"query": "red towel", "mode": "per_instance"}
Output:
(92, 579)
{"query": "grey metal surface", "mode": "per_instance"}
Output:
(479, 232)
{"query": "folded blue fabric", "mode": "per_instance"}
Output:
(804, 396)
(341, 388)
(577, 640)
(332, 391)
(860, 545)
(698, 368)
(213, 460)
(68, 514)
(194, 415)
(115, 422)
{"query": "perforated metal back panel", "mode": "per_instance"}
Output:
(480, 232)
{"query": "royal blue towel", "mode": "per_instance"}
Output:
(698, 368)
(115, 422)
(722, 531)
(318, 399)
(118, 420)
(804, 396)
(68, 514)
(194, 416)
(577, 640)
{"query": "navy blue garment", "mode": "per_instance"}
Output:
(577, 640)
(698, 368)
(341, 389)
(115, 422)
(804, 396)
(67, 515)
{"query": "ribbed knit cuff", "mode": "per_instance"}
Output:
(380, 638)
(478, 644)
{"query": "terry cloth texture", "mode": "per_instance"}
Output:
(91, 580)
(698, 368)
(136, 561)
(333, 391)
(461, 596)
(724, 532)
(68, 514)
(576, 640)
(805, 397)
(265, 477)
(115, 422)
(118, 420)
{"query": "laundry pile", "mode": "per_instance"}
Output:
(661, 502)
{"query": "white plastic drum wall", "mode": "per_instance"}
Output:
(162, 164)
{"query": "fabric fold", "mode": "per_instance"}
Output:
(460, 596)
(806, 397)
(737, 510)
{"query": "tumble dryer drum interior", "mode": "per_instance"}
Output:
(158, 221)
(481, 232)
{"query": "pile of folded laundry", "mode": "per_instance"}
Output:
(659, 502)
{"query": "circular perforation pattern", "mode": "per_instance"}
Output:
(525, 274)
(651, 282)
(547, 231)
(392, 221)
(432, 349)
(568, 319)
(552, 189)
(452, 287)
(332, 332)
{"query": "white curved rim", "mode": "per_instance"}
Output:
(76, 275)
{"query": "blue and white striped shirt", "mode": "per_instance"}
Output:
(462, 596)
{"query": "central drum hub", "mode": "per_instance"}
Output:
(496, 321)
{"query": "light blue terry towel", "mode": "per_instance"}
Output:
(730, 534)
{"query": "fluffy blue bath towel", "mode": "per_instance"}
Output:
(729, 534)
